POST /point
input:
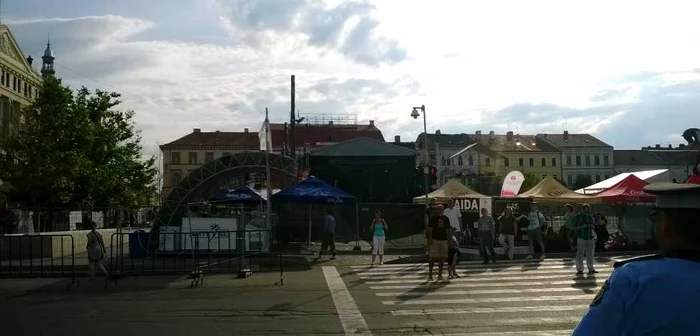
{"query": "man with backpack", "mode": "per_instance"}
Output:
(536, 224)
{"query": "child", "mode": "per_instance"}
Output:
(452, 257)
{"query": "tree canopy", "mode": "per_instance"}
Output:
(530, 181)
(76, 149)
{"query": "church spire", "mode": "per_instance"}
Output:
(47, 64)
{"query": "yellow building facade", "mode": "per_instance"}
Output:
(524, 153)
(19, 83)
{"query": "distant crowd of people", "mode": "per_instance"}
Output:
(584, 232)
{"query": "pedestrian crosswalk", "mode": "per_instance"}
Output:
(518, 297)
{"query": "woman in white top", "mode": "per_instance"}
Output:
(378, 228)
(95, 251)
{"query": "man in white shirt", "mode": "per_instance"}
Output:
(536, 222)
(455, 216)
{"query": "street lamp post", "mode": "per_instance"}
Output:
(415, 114)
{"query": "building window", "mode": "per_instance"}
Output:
(578, 160)
(570, 180)
(588, 160)
(448, 162)
(568, 160)
(175, 177)
(606, 160)
(192, 158)
(3, 78)
(208, 156)
(225, 154)
(521, 162)
(596, 160)
(175, 157)
(487, 161)
(544, 162)
(506, 162)
(460, 161)
(532, 162)
(597, 178)
(471, 161)
(554, 162)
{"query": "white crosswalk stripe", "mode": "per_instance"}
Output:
(520, 297)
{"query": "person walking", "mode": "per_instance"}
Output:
(656, 294)
(440, 231)
(585, 244)
(328, 237)
(487, 230)
(95, 251)
(378, 228)
(455, 216)
(535, 224)
(453, 253)
(507, 227)
(569, 232)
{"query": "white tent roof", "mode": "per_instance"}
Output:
(605, 184)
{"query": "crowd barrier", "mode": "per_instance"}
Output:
(196, 252)
(45, 255)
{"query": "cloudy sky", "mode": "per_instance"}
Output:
(626, 71)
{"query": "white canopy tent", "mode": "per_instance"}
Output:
(651, 176)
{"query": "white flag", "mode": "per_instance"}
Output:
(264, 135)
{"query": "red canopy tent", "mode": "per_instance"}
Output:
(695, 179)
(629, 190)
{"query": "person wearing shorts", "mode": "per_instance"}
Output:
(440, 231)
(536, 221)
(378, 229)
(453, 257)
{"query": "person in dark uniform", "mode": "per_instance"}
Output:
(657, 294)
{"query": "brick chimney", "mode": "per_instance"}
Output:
(437, 132)
(245, 130)
(397, 138)
(331, 122)
(509, 135)
(566, 135)
(478, 135)
(657, 146)
(669, 146)
(371, 122)
(197, 130)
(492, 134)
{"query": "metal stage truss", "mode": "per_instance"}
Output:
(198, 183)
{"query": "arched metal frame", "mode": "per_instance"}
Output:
(202, 180)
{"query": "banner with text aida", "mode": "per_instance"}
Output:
(512, 183)
(265, 136)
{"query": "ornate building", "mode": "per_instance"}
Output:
(19, 81)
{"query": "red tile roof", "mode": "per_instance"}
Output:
(323, 135)
(237, 140)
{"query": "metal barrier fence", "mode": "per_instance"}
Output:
(176, 252)
(45, 255)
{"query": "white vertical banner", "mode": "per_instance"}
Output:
(267, 147)
(264, 134)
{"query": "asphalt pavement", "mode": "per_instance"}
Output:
(336, 297)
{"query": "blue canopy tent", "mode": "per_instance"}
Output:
(313, 191)
(239, 195)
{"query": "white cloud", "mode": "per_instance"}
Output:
(539, 67)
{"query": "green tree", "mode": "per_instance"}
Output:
(530, 181)
(582, 181)
(77, 150)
